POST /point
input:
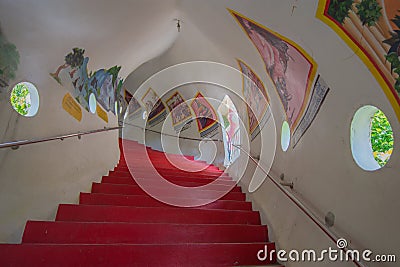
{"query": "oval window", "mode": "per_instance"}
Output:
(285, 136)
(371, 138)
(25, 99)
(92, 103)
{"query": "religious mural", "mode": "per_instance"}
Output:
(256, 98)
(180, 111)
(154, 106)
(205, 116)
(290, 68)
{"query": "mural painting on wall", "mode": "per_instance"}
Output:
(256, 98)
(104, 84)
(229, 119)
(154, 106)
(180, 112)
(121, 105)
(205, 116)
(320, 90)
(290, 68)
(134, 108)
(371, 28)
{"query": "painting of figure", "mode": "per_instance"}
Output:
(106, 93)
(205, 115)
(255, 96)
(290, 68)
(154, 106)
(180, 111)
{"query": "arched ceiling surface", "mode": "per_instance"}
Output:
(126, 33)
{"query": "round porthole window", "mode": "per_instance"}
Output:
(371, 138)
(92, 103)
(285, 136)
(25, 99)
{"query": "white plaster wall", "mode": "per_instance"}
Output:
(321, 166)
(36, 178)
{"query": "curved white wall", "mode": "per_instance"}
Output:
(36, 178)
(321, 166)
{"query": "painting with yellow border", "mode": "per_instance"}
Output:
(154, 106)
(256, 98)
(205, 115)
(290, 68)
(371, 28)
(180, 111)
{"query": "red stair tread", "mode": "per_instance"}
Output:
(145, 172)
(98, 213)
(113, 179)
(122, 189)
(109, 233)
(147, 175)
(118, 224)
(133, 255)
(147, 201)
(187, 183)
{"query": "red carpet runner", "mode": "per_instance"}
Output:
(118, 224)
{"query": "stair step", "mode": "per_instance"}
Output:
(135, 233)
(198, 168)
(145, 173)
(97, 213)
(125, 179)
(133, 255)
(119, 224)
(136, 190)
(131, 181)
(147, 201)
(160, 166)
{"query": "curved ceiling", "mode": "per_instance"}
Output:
(126, 33)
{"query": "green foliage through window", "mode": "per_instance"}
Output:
(20, 99)
(381, 138)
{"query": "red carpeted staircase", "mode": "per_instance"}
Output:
(118, 224)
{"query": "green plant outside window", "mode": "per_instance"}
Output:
(381, 138)
(20, 99)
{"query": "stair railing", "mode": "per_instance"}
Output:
(311, 215)
(16, 144)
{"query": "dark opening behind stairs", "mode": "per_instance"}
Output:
(118, 224)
